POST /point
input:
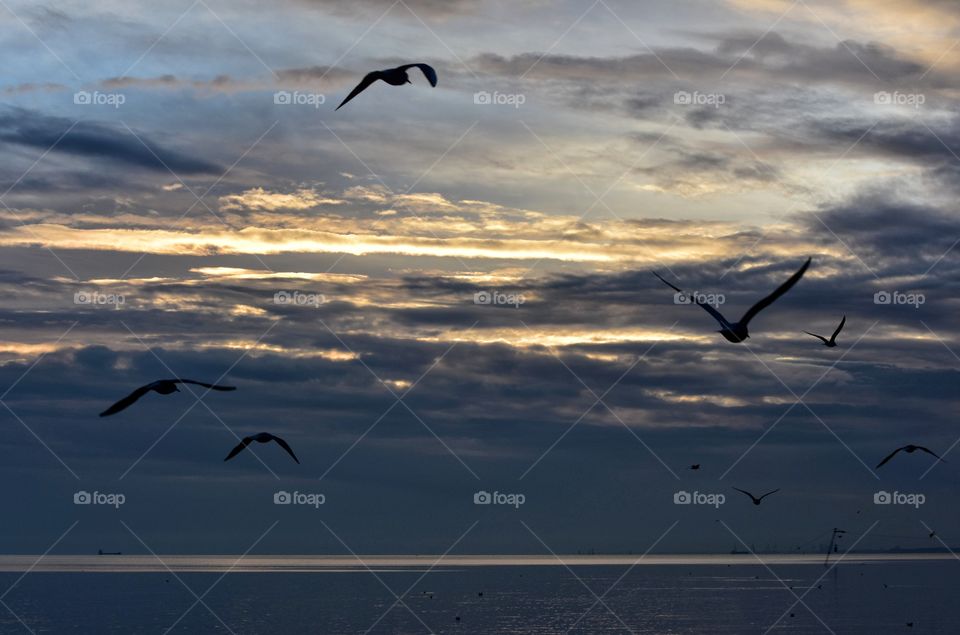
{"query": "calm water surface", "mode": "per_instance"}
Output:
(676, 594)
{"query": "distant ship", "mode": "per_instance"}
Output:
(101, 552)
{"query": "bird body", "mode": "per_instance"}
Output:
(737, 332)
(161, 386)
(261, 437)
(394, 76)
(756, 501)
(909, 449)
(832, 342)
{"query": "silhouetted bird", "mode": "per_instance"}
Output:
(830, 343)
(262, 437)
(162, 386)
(756, 501)
(695, 466)
(393, 76)
(737, 331)
(909, 449)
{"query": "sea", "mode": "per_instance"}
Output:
(710, 594)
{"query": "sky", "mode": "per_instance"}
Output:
(436, 292)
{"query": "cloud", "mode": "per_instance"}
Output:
(96, 140)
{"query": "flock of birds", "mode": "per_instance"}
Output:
(736, 332)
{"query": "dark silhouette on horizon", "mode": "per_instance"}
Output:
(736, 332)
(161, 386)
(832, 342)
(756, 501)
(393, 76)
(262, 437)
(909, 449)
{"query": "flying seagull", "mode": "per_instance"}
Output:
(695, 466)
(830, 343)
(909, 449)
(262, 437)
(393, 76)
(162, 386)
(756, 501)
(737, 331)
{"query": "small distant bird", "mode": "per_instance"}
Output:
(909, 449)
(162, 386)
(695, 466)
(832, 342)
(909, 624)
(736, 332)
(756, 501)
(393, 76)
(932, 534)
(262, 437)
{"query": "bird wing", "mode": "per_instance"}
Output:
(286, 446)
(368, 79)
(205, 385)
(428, 72)
(889, 456)
(929, 451)
(833, 338)
(240, 446)
(820, 337)
(127, 401)
(706, 307)
(767, 301)
(768, 494)
(752, 497)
